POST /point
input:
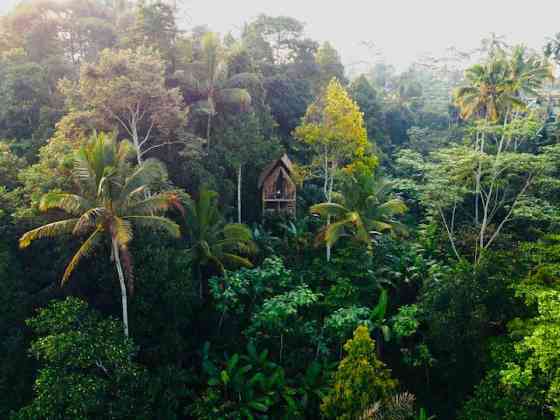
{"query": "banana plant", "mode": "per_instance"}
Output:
(247, 386)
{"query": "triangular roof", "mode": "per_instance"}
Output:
(284, 161)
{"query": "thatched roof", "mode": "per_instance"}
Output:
(284, 161)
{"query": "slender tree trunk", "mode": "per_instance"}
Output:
(239, 184)
(329, 199)
(136, 142)
(208, 130)
(209, 122)
(479, 176)
(120, 272)
(327, 195)
(486, 202)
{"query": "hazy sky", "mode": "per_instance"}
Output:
(402, 29)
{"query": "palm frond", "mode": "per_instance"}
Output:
(231, 244)
(235, 261)
(82, 170)
(155, 204)
(329, 209)
(144, 175)
(361, 231)
(238, 231)
(334, 231)
(206, 210)
(70, 203)
(89, 219)
(156, 223)
(393, 206)
(380, 226)
(48, 231)
(85, 249)
(126, 258)
(125, 151)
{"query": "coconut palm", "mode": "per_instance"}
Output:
(209, 84)
(495, 89)
(489, 95)
(112, 199)
(528, 72)
(490, 91)
(214, 244)
(363, 211)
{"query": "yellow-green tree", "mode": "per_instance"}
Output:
(360, 382)
(334, 128)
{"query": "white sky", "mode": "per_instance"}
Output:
(402, 29)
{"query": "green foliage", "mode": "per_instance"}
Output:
(114, 196)
(471, 162)
(15, 369)
(86, 369)
(344, 321)
(360, 381)
(493, 399)
(126, 90)
(10, 165)
(405, 322)
(245, 386)
(536, 364)
(154, 26)
(365, 210)
(24, 96)
(330, 66)
(460, 308)
(334, 128)
(281, 315)
(212, 243)
(242, 288)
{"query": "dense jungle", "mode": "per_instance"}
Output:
(204, 225)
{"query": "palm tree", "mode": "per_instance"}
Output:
(211, 84)
(494, 89)
(214, 244)
(111, 200)
(489, 91)
(528, 72)
(364, 210)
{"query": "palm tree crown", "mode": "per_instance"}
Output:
(212, 242)
(113, 196)
(498, 85)
(363, 210)
(211, 85)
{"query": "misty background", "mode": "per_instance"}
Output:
(397, 31)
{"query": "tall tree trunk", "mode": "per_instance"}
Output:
(239, 183)
(136, 142)
(208, 130)
(329, 200)
(116, 254)
(480, 147)
(209, 122)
